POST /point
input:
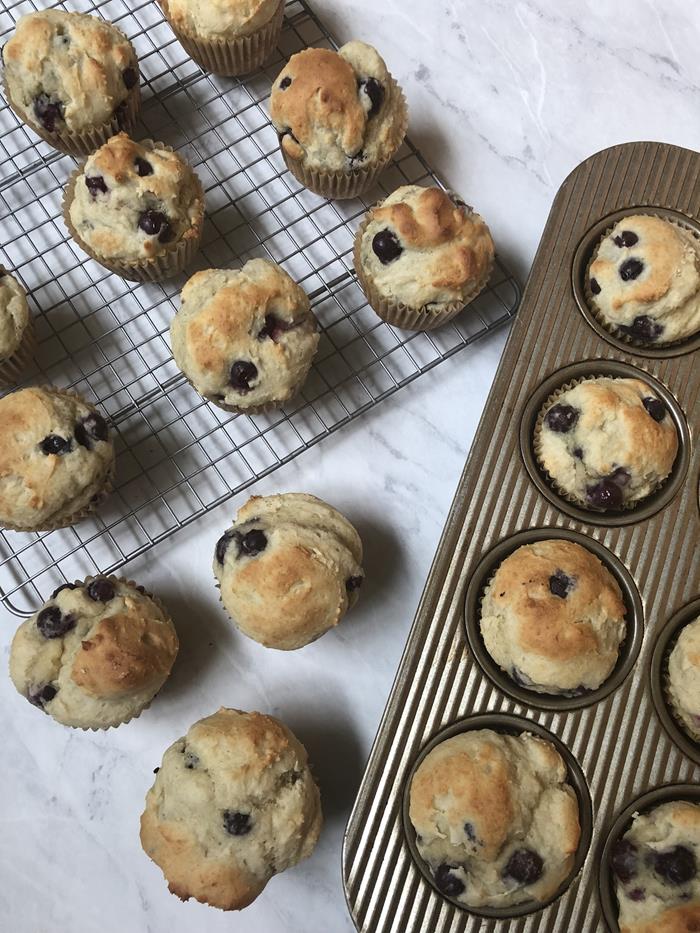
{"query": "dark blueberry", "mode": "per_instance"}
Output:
(92, 428)
(448, 883)
(242, 374)
(386, 247)
(627, 238)
(621, 476)
(48, 111)
(251, 543)
(469, 832)
(605, 494)
(637, 894)
(151, 222)
(95, 185)
(561, 418)
(524, 866)
(143, 167)
(237, 824)
(285, 83)
(375, 91)
(120, 115)
(53, 624)
(578, 453)
(631, 269)
(643, 328)
(595, 287)
(274, 327)
(353, 583)
(520, 677)
(64, 586)
(191, 760)
(625, 860)
(222, 545)
(130, 78)
(167, 233)
(655, 407)
(156, 770)
(101, 590)
(579, 691)
(42, 696)
(53, 444)
(357, 159)
(677, 865)
(560, 584)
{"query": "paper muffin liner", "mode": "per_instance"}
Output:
(401, 315)
(340, 185)
(165, 265)
(14, 368)
(231, 57)
(666, 687)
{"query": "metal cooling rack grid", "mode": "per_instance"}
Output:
(178, 457)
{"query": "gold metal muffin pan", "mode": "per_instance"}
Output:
(623, 746)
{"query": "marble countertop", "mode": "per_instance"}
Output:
(506, 97)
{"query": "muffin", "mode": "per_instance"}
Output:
(421, 256)
(95, 654)
(607, 443)
(73, 78)
(340, 116)
(655, 865)
(495, 818)
(136, 208)
(244, 338)
(288, 569)
(16, 331)
(56, 460)
(644, 281)
(683, 679)
(553, 618)
(233, 804)
(226, 37)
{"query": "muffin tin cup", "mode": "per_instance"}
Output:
(511, 725)
(671, 721)
(531, 423)
(15, 368)
(648, 801)
(630, 647)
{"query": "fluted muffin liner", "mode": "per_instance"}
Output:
(231, 57)
(666, 687)
(340, 185)
(14, 368)
(403, 316)
(171, 262)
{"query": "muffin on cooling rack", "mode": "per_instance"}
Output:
(288, 569)
(136, 208)
(73, 78)
(683, 679)
(95, 654)
(421, 255)
(56, 459)
(245, 338)
(495, 818)
(233, 804)
(16, 331)
(233, 37)
(341, 117)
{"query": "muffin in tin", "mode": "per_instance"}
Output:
(95, 654)
(245, 338)
(233, 804)
(644, 280)
(655, 867)
(683, 679)
(606, 443)
(495, 818)
(16, 331)
(553, 618)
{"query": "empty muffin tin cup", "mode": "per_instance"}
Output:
(665, 643)
(591, 369)
(506, 724)
(647, 801)
(583, 257)
(629, 649)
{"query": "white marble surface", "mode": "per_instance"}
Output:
(506, 96)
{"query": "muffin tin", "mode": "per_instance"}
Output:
(503, 500)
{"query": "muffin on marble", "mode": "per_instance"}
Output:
(228, 37)
(16, 331)
(683, 679)
(233, 804)
(136, 208)
(644, 280)
(607, 443)
(56, 459)
(288, 569)
(73, 78)
(341, 117)
(244, 338)
(495, 818)
(95, 654)
(421, 256)
(553, 619)
(655, 865)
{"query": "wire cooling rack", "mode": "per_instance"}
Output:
(177, 456)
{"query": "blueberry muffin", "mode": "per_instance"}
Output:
(421, 256)
(95, 654)
(683, 679)
(607, 443)
(73, 78)
(553, 618)
(340, 116)
(288, 569)
(233, 804)
(16, 332)
(655, 866)
(56, 459)
(245, 338)
(644, 280)
(495, 818)
(136, 208)
(227, 37)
